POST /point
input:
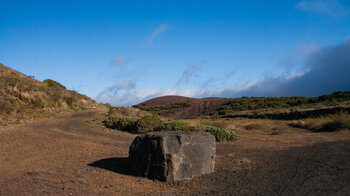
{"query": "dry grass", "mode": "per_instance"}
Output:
(272, 127)
(22, 97)
(256, 126)
(126, 112)
(333, 122)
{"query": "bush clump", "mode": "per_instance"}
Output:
(53, 83)
(174, 125)
(219, 133)
(151, 123)
(122, 123)
(147, 123)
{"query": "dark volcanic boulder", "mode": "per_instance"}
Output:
(172, 156)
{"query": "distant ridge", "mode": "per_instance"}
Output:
(182, 107)
(164, 100)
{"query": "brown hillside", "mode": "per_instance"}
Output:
(179, 107)
(164, 100)
(201, 107)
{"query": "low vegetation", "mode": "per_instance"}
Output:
(291, 103)
(219, 133)
(23, 97)
(126, 111)
(125, 123)
(255, 126)
(166, 110)
(221, 123)
(149, 123)
(283, 108)
(52, 83)
(174, 125)
(331, 122)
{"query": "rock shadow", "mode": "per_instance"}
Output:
(117, 164)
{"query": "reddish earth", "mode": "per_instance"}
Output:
(196, 107)
(171, 99)
(74, 155)
(164, 100)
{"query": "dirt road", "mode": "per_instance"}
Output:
(74, 155)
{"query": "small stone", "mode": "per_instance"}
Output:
(172, 156)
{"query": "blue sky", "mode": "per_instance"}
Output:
(124, 52)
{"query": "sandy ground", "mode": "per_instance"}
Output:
(74, 154)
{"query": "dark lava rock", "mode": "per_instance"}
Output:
(172, 156)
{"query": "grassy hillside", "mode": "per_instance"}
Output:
(291, 103)
(23, 97)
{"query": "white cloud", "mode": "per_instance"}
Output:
(331, 8)
(128, 98)
(190, 72)
(327, 69)
(119, 61)
(119, 86)
(125, 85)
(160, 29)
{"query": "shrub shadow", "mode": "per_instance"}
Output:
(117, 164)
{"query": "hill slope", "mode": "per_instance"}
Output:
(183, 107)
(165, 100)
(22, 97)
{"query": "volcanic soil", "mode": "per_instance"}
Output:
(73, 154)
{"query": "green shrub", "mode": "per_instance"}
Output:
(147, 123)
(151, 123)
(222, 123)
(121, 123)
(219, 133)
(53, 83)
(174, 125)
(133, 125)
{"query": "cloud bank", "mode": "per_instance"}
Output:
(327, 69)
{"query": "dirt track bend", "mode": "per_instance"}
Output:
(74, 155)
